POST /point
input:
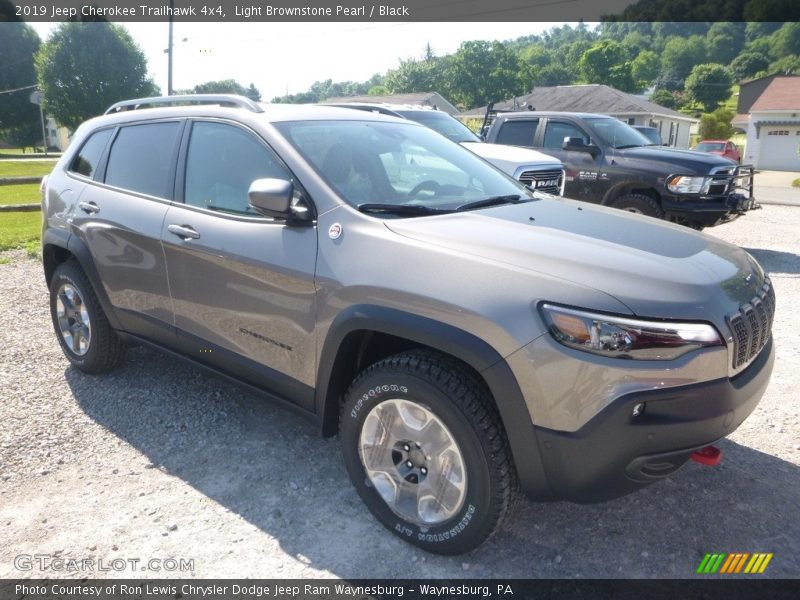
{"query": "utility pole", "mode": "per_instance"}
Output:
(169, 49)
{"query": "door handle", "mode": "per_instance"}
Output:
(89, 208)
(184, 232)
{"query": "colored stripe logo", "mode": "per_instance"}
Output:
(734, 563)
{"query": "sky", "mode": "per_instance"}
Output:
(289, 57)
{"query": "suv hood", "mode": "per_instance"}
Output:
(688, 161)
(510, 158)
(656, 269)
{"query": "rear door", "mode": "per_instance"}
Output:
(129, 172)
(242, 284)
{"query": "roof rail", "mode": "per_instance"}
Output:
(221, 99)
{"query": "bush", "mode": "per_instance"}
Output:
(716, 125)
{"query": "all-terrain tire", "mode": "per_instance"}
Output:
(640, 204)
(82, 329)
(399, 413)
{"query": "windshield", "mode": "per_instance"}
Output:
(371, 163)
(652, 134)
(710, 146)
(615, 133)
(449, 127)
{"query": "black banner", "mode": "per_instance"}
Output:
(733, 588)
(398, 10)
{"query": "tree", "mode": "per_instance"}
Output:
(664, 98)
(788, 65)
(709, 84)
(378, 90)
(724, 41)
(607, 62)
(644, 68)
(716, 125)
(18, 46)
(227, 86)
(554, 75)
(85, 67)
(787, 39)
(482, 72)
(747, 64)
(681, 55)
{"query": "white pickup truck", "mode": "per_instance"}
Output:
(538, 171)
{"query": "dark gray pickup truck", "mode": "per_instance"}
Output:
(608, 162)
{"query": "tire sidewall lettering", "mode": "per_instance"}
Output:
(377, 392)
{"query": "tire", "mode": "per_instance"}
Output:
(446, 457)
(640, 204)
(81, 327)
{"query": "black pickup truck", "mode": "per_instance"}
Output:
(608, 162)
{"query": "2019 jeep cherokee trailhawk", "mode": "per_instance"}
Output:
(464, 336)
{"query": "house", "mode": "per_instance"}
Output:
(434, 99)
(769, 113)
(605, 100)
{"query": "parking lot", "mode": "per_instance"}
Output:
(160, 461)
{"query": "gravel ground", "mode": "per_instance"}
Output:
(158, 460)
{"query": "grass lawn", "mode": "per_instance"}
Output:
(25, 169)
(796, 182)
(26, 193)
(20, 229)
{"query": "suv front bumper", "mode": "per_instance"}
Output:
(615, 453)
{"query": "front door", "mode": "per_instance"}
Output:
(242, 284)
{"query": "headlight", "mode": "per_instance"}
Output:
(682, 184)
(622, 337)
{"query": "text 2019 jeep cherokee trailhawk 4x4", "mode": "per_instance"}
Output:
(464, 336)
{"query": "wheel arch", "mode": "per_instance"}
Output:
(58, 247)
(364, 334)
(631, 187)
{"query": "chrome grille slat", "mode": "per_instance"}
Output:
(528, 178)
(751, 325)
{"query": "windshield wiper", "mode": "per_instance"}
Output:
(625, 146)
(401, 209)
(494, 201)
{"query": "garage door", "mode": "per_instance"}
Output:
(780, 148)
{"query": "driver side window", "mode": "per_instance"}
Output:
(556, 131)
(222, 162)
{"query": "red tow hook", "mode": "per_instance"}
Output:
(710, 456)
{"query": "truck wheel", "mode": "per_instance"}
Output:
(82, 329)
(426, 451)
(640, 204)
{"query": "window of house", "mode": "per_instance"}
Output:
(141, 158)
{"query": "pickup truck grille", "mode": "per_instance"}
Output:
(544, 181)
(752, 325)
(731, 179)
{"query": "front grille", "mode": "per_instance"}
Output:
(752, 325)
(718, 186)
(543, 181)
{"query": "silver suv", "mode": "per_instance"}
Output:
(465, 337)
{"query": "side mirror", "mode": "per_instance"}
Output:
(576, 144)
(276, 198)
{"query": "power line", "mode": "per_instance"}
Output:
(27, 87)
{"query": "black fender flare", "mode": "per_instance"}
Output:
(470, 349)
(631, 184)
(78, 249)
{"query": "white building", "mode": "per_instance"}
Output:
(769, 112)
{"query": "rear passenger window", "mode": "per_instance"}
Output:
(141, 158)
(517, 133)
(222, 162)
(86, 161)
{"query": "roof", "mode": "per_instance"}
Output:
(783, 93)
(592, 98)
(423, 98)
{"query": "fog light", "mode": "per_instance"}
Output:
(638, 410)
